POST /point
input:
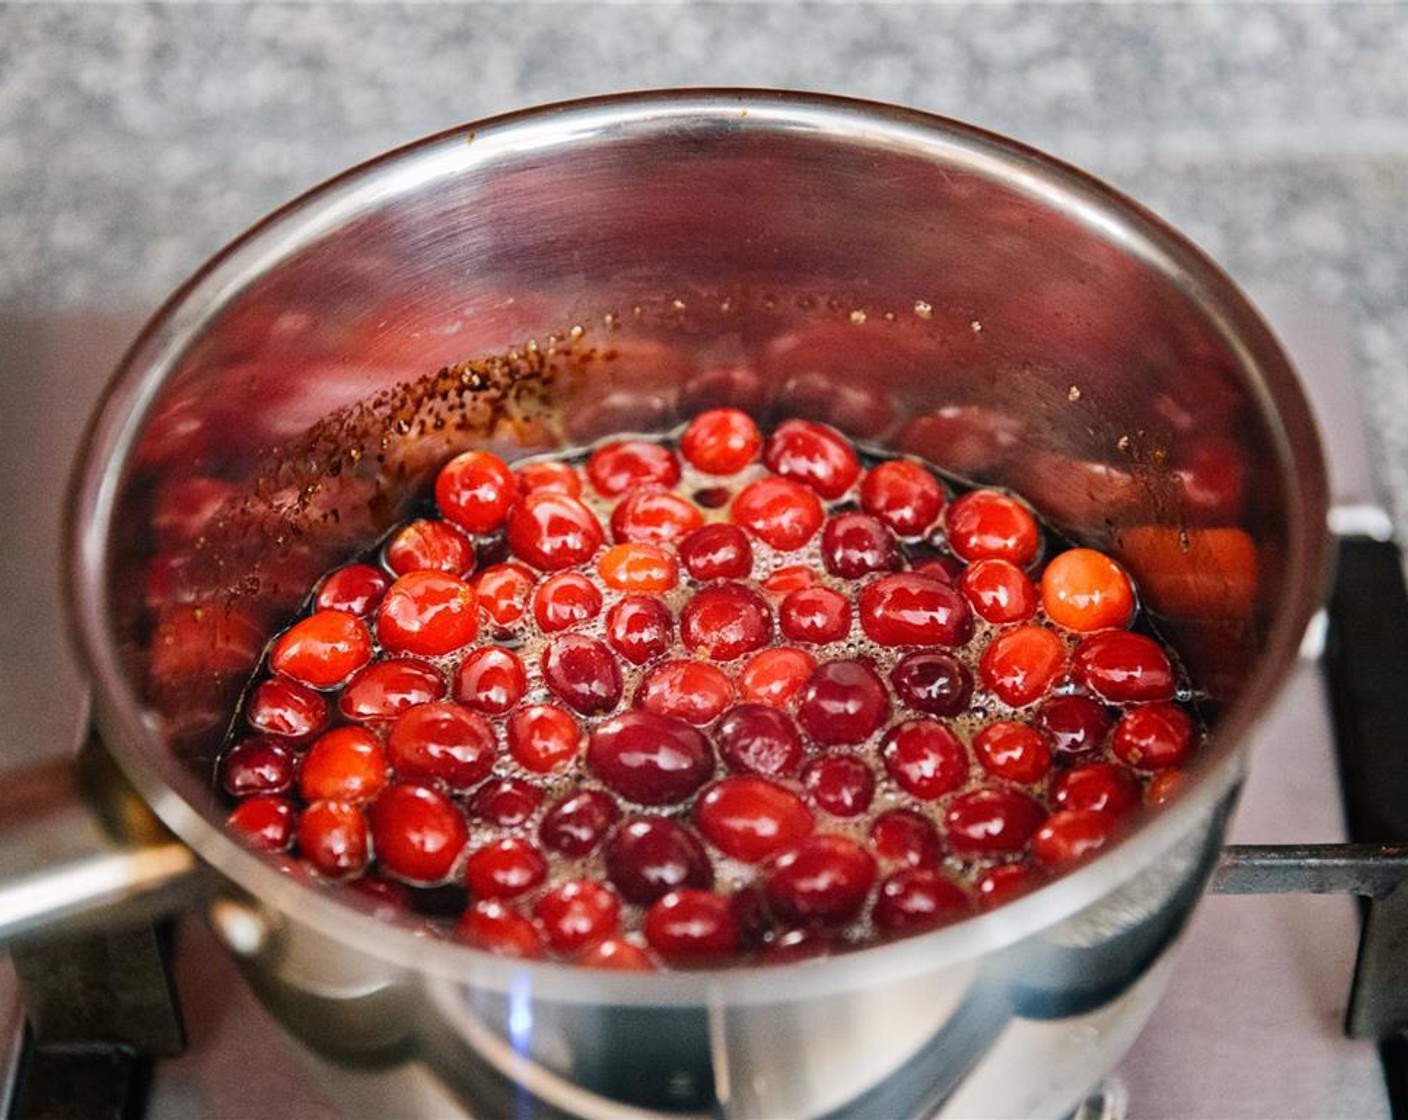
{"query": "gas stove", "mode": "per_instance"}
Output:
(1251, 1025)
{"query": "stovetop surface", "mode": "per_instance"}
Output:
(1250, 1027)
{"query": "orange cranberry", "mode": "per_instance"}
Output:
(774, 676)
(1085, 590)
(786, 580)
(323, 649)
(347, 764)
(638, 567)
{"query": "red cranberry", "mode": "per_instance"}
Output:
(574, 915)
(815, 614)
(913, 901)
(575, 825)
(503, 591)
(694, 691)
(257, 765)
(986, 525)
(999, 591)
(812, 453)
(499, 929)
(346, 764)
(1004, 883)
(843, 702)
(750, 914)
(647, 857)
(543, 737)
(625, 464)
(615, 954)
(356, 589)
(566, 599)
(903, 836)
(751, 818)
(902, 494)
(429, 614)
(779, 512)
(1163, 787)
(1020, 665)
(692, 927)
(786, 580)
(323, 649)
(990, 822)
(552, 531)
(725, 622)
(932, 682)
(582, 673)
(475, 491)
(639, 628)
(430, 546)
(442, 742)
(649, 759)
(1124, 668)
(758, 739)
(418, 832)
(841, 784)
(1153, 737)
(1014, 751)
(281, 707)
(1072, 836)
(792, 945)
(911, 610)
(775, 675)
(385, 689)
(504, 869)
(824, 879)
(717, 551)
(1075, 725)
(265, 822)
(653, 517)
(721, 441)
(925, 758)
(945, 569)
(491, 679)
(1097, 786)
(332, 838)
(505, 802)
(856, 544)
(549, 475)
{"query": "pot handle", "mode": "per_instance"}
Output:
(79, 848)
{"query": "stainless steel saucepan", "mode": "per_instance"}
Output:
(539, 280)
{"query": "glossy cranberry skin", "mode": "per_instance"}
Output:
(903, 495)
(505, 802)
(913, 901)
(638, 567)
(903, 836)
(503, 591)
(843, 702)
(346, 764)
(989, 822)
(721, 441)
(911, 610)
(1085, 590)
(774, 676)
(649, 759)
(932, 682)
(561, 478)
(574, 915)
(1072, 836)
(490, 679)
(332, 838)
(265, 822)
(417, 832)
(552, 531)
(778, 511)
(758, 739)
(1124, 668)
(428, 614)
(694, 691)
(1014, 751)
(841, 784)
(784, 581)
(475, 491)
(504, 868)
(639, 628)
(575, 825)
(985, 525)
(385, 689)
(725, 621)
(999, 591)
(566, 599)
(824, 879)
(543, 737)
(356, 589)
(622, 465)
(653, 517)
(925, 758)
(442, 742)
(430, 546)
(1101, 787)
(751, 818)
(717, 551)
(692, 927)
(286, 709)
(814, 454)
(1020, 665)
(856, 544)
(648, 857)
(1005, 882)
(257, 765)
(582, 673)
(323, 649)
(1153, 737)
(1076, 726)
(945, 569)
(497, 928)
(815, 614)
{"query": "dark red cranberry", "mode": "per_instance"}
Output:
(498, 928)
(650, 759)
(1124, 668)
(916, 900)
(750, 914)
(648, 857)
(504, 868)
(692, 927)
(912, 610)
(999, 591)
(856, 544)
(991, 822)
(553, 531)
(925, 758)
(265, 822)
(904, 836)
(543, 737)
(1004, 883)
(356, 589)
(653, 517)
(576, 914)
(815, 614)
(824, 879)
(1072, 836)
(1012, 750)
(385, 689)
(442, 742)
(639, 628)
(563, 600)
(418, 833)
(932, 682)
(725, 622)
(945, 569)
(751, 818)
(843, 702)
(258, 765)
(693, 691)
(490, 679)
(1076, 726)
(1098, 786)
(505, 802)
(812, 453)
(842, 784)
(582, 673)
(1153, 737)
(625, 464)
(575, 825)
(717, 551)
(332, 838)
(759, 739)
(281, 707)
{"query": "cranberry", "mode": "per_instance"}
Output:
(1075, 725)
(712, 497)
(751, 818)
(1153, 737)
(812, 453)
(559, 478)
(843, 702)
(265, 822)
(815, 614)
(1164, 786)
(1019, 665)
(638, 567)
(911, 610)
(902, 494)
(903, 836)
(750, 914)
(623, 465)
(429, 614)
(1072, 836)
(999, 591)
(824, 879)
(418, 832)
(990, 822)
(648, 758)
(543, 737)
(984, 525)
(346, 764)
(552, 531)
(503, 591)
(281, 707)
(758, 739)
(1097, 786)
(385, 689)
(566, 599)
(721, 441)
(490, 679)
(1004, 883)
(717, 551)
(786, 580)
(1085, 590)
(575, 825)
(430, 546)
(691, 927)
(332, 838)
(1124, 668)
(504, 869)
(257, 765)
(856, 544)
(693, 691)
(499, 929)
(913, 901)
(475, 490)
(945, 569)
(639, 628)
(779, 512)
(932, 682)
(442, 742)
(323, 649)
(1015, 751)
(653, 516)
(573, 915)
(356, 589)
(616, 955)
(842, 784)
(648, 857)
(925, 758)
(775, 675)
(582, 673)
(794, 945)
(505, 802)
(726, 621)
